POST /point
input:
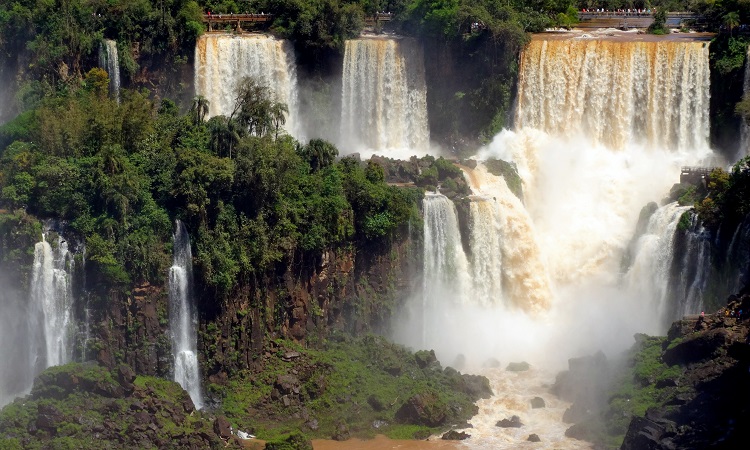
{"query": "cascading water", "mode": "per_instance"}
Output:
(649, 275)
(445, 265)
(617, 93)
(222, 61)
(502, 231)
(744, 149)
(183, 321)
(602, 128)
(109, 61)
(384, 97)
(52, 300)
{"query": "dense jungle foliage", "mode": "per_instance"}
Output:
(251, 196)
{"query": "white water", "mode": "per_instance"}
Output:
(183, 320)
(602, 129)
(649, 275)
(446, 279)
(744, 149)
(222, 61)
(51, 295)
(109, 61)
(384, 98)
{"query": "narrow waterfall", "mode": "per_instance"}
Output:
(222, 61)
(744, 149)
(691, 272)
(649, 276)
(51, 295)
(183, 320)
(617, 93)
(446, 279)
(109, 61)
(384, 97)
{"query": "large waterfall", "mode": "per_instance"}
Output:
(602, 128)
(183, 320)
(222, 61)
(109, 61)
(384, 98)
(617, 93)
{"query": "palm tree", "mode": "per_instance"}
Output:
(278, 114)
(731, 21)
(199, 109)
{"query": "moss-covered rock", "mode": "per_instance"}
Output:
(87, 406)
(351, 388)
(509, 172)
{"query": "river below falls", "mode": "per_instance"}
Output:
(513, 393)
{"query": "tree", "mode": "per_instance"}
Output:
(731, 21)
(199, 109)
(319, 154)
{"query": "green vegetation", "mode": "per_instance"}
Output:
(645, 382)
(728, 200)
(83, 406)
(365, 386)
(252, 197)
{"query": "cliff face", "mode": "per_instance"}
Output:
(348, 289)
(704, 405)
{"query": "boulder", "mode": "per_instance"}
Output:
(518, 366)
(222, 427)
(537, 402)
(533, 438)
(454, 435)
(512, 422)
(426, 408)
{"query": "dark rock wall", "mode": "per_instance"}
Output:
(349, 289)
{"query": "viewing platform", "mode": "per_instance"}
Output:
(634, 19)
(695, 175)
(238, 21)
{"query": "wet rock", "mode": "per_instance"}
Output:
(222, 427)
(341, 433)
(48, 417)
(377, 424)
(425, 358)
(537, 402)
(287, 384)
(491, 363)
(518, 366)
(454, 435)
(512, 422)
(425, 408)
(533, 438)
(312, 424)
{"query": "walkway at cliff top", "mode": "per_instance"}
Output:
(612, 34)
(626, 20)
(240, 21)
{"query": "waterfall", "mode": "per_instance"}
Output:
(17, 370)
(384, 97)
(501, 230)
(183, 321)
(52, 298)
(446, 279)
(222, 61)
(617, 93)
(744, 149)
(649, 276)
(108, 60)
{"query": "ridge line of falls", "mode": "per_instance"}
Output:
(384, 97)
(109, 61)
(222, 61)
(183, 320)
